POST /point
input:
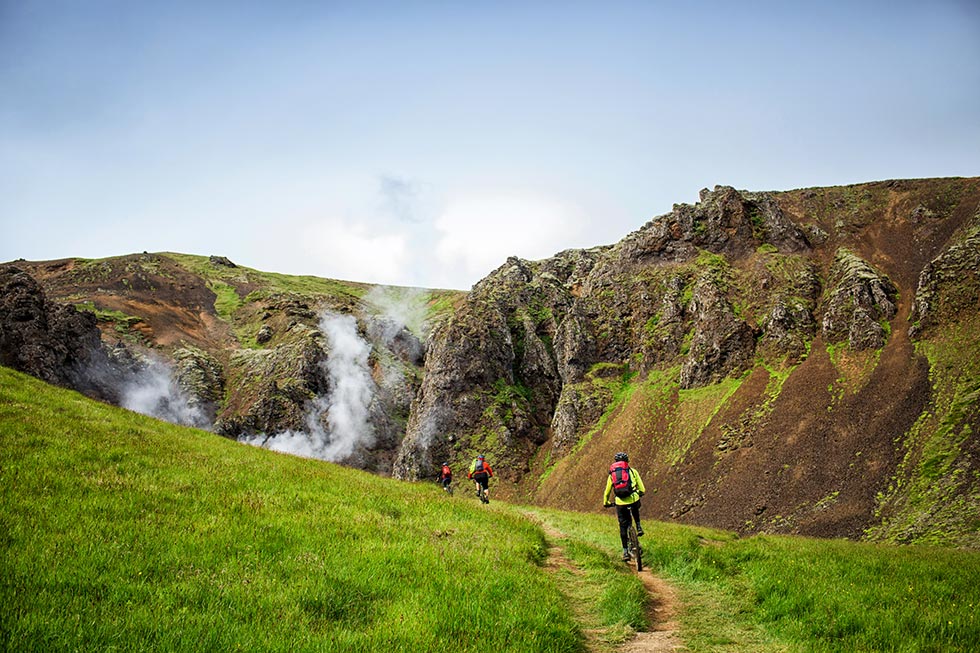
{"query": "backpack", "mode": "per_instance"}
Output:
(446, 471)
(479, 466)
(622, 481)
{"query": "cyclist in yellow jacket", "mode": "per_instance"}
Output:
(625, 486)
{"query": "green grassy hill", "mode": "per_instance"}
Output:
(119, 532)
(125, 533)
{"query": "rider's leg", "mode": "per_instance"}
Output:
(623, 514)
(635, 511)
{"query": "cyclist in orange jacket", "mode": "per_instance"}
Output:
(480, 472)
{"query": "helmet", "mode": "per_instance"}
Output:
(480, 456)
(621, 456)
(445, 464)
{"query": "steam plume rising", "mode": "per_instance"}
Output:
(153, 391)
(337, 422)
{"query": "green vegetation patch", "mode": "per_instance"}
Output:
(696, 407)
(271, 281)
(226, 300)
(618, 386)
(120, 532)
(934, 497)
(772, 593)
(123, 322)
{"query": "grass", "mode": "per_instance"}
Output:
(620, 388)
(782, 593)
(299, 284)
(123, 533)
(934, 497)
(119, 532)
(226, 300)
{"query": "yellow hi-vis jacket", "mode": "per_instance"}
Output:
(638, 489)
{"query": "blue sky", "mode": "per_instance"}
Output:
(421, 143)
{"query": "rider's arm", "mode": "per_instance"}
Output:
(639, 481)
(606, 498)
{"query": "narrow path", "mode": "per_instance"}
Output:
(663, 636)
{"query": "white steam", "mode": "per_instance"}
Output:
(154, 392)
(401, 308)
(337, 422)
(352, 386)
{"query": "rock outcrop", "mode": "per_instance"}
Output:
(749, 350)
(861, 302)
(52, 341)
(950, 283)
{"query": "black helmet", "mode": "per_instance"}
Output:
(445, 464)
(622, 456)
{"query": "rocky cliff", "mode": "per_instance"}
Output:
(770, 360)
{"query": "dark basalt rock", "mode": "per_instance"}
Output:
(54, 342)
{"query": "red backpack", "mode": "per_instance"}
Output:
(622, 482)
(446, 472)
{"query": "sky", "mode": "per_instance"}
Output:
(422, 143)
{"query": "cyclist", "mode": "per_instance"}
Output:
(625, 486)
(480, 472)
(446, 478)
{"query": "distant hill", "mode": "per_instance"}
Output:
(797, 362)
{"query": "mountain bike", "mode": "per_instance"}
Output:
(636, 553)
(481, 494)
(448, 487)
(633, 546)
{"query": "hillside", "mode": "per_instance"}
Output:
(243, 350)
(781, 362)
(123, 532)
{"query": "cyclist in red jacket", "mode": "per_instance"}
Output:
(446, 478)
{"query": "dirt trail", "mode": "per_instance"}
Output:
(664, 605)
(663, 636)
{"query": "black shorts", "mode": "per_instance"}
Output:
(482, 479)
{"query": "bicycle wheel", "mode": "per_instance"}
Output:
(636, 554)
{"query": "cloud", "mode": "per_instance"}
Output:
(478, 231)
(401, 198)
(357, 251)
